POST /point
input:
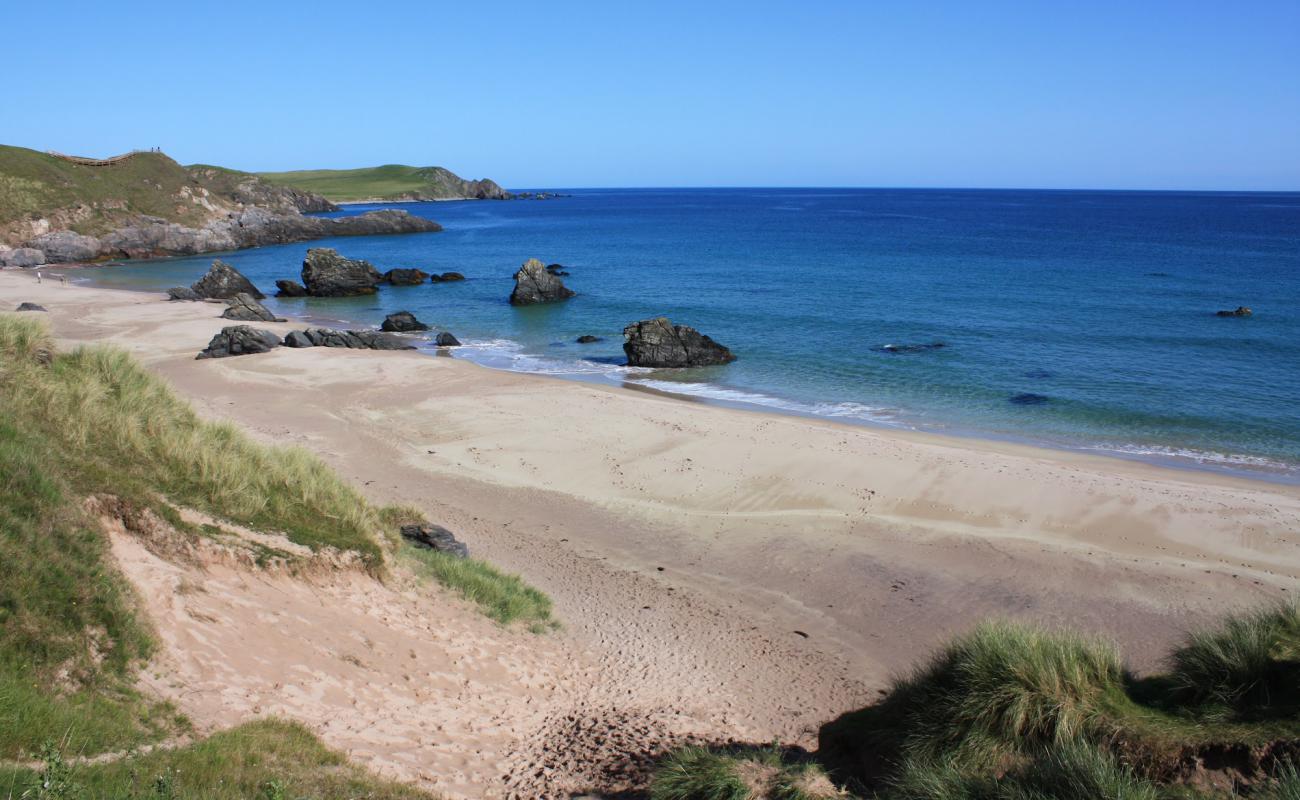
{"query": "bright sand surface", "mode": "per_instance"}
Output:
(719, 573)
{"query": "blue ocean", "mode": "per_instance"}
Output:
(1080, 320)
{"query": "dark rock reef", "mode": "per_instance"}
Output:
(286, 288)
(325, 273)
(445, 339)
(402, 322)
(355, 340)
(434, 537)
(240, 340)
(405, 277)
(446, 277)
(246, 308)
(909, 348)
(659, 343)
(223, 282)
(1029, 399)
(558, 270)
(1239, 311)
(534, 284)
(588, 339)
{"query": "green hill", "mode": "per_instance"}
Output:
(389, 182)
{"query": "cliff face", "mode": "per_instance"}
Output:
(54, 210)
(389, 183)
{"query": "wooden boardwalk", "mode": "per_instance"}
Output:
(97, 162)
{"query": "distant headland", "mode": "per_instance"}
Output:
(387, 184)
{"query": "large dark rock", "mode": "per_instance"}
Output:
(183, 293)
(223, 282)
(286, 288)
(1239, 311)
(405, 277)
(244, 307)
(356, 340)
(533, 284)
(659, 343)
(402, 322)
(325, 273)
(446, 277)
(64, 247)
(29, 307)
(588, 339)
(434, 537)
(445, 339)
(240, 340)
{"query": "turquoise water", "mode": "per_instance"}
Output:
(1097, 305)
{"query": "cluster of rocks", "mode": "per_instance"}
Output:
(240, 340)
(534, 283)
(1239, 311)
(446, 277)
(406, 322)
(659, 343)
(434, 537)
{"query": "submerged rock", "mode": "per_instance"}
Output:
(1029, 399)
(588, 339)
(445, 339)
(434, 537)
(240, 340)
(659, 343)
(183, 293)
(1239, 311)
(405, 277)
(908, 348)
(223, 282)
(533, 284)
(355, 340)
(244, 307)
(446, 277)
(325, 273)
(29, 307)
(402, 322)
(290, 289)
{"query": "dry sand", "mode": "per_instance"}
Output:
(720, 573)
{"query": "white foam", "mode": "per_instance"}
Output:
(709, 391)
(1204, 457)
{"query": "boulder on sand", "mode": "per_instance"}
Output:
(405, 277)
(223, 282)
(243, 307)
(434, 537)
(239, 340)
(183, 293)
(402, 322)
(659, 343)
(1239, 311)
(290, 289)
(533, 284)
(445, 339)
(325, 273)
(354, 340)
(29, 307)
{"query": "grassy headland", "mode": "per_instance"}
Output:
(92, 422)
(1012, 712)
(388, 182)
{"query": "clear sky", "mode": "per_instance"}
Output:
(1065, 94)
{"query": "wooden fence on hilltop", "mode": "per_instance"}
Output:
(99, 162)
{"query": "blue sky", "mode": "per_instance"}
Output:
(815, 93)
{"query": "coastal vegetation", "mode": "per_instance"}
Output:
(387, 182)
(1015, 712)
(91, 423)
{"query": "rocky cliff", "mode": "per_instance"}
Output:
(54, 210)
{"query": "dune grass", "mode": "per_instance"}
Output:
(264, 760)
(697, 773)
(500, 596)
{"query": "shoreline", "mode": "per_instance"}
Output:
(717, 573)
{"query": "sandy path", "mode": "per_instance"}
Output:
(726, 573)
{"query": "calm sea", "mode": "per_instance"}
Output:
(1082, 320)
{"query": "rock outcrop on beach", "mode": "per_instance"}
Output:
(659, 343)
(446, 339)
(402, 322)
(325, 273)
(223, 282)
(434, 537)
(246, 308)
(534, 284)
(355, 340)
(405, 277)
(1239, 311)
(240, 340)
(62, 210)
(183, 293)
(446, 277)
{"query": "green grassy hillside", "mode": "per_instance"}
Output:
(389, 182)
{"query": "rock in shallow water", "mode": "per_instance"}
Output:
(244, 307)
(325, 273)
(290, 289)
(434, 537)
(402, 322)
(659, 343)
(445, 339)
(446, 277)
(223, 282)
(405, 277)
(588, 339)
(1029, 399)
(533, 284)
(1239, 311)
(909, 348)
(240, 340)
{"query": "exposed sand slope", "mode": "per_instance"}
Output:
(802, 561)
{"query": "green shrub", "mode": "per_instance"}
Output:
(1248, 668)
(1064, 772)
(502, 597)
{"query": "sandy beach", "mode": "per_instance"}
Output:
(719, 573)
